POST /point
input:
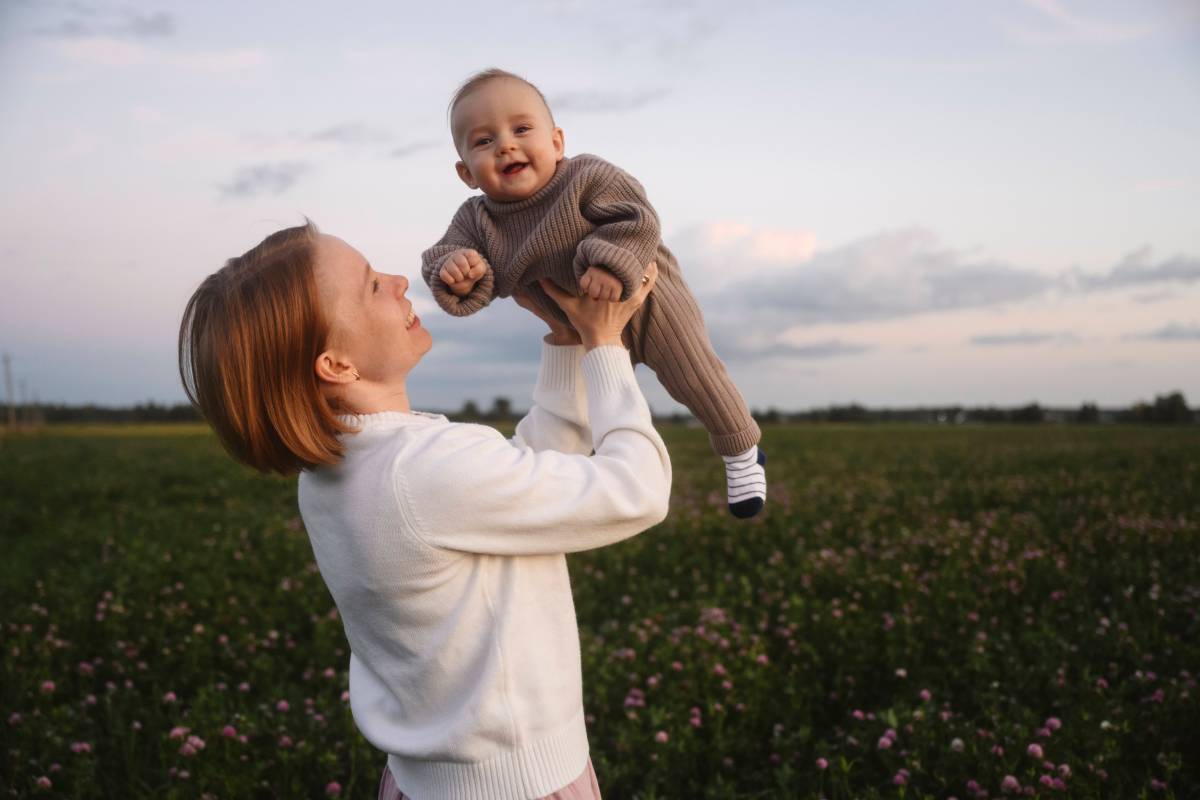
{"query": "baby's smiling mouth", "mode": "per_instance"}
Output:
(513, 169)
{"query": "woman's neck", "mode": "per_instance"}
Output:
(363, 397)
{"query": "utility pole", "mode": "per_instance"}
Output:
(24, 403)
(8, 393)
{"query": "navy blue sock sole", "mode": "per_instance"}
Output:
(745, 509)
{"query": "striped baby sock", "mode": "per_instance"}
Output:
(746, 482)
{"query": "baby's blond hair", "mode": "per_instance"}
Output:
(484, 77)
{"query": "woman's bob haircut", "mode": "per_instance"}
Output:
(248, 346)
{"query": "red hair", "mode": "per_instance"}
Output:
(248, 343)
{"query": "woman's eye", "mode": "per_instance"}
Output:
(375, 286)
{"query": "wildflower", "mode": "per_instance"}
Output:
(14, 718)
(1053, 723)
(47, 687)
(136, 725)
(822, 764)
(285, 742)
(329, 673)
(719, 669)
(1010, 784)
(178, 732)
(926, 695)
(884, 743)
(661, 737)
(1157, 785)
(1064, 770)
(243, 687)
(229, 732)
(1058, 785)
(957, 745)
(81, 747)
(899, 779)
(762, 659)
(857, 714)
(1046, 781)
(1035, 750)
(85, 668)
(345, 696)
(282, 705)
(44, 783)
(901, 672)
(169, 697)
(333, 789)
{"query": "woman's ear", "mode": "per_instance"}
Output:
(332, 369)
(465, 174)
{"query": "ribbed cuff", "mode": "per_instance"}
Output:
(479, 296)
(559, 368)
(607, 369)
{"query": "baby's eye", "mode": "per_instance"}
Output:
(523, 128)
(483, 140)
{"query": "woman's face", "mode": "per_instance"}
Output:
(372, 323)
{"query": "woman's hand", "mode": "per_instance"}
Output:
(560, 334)
(600, 322)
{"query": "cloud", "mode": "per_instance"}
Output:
(892, 274)
(885, 276)
(410, 148)
(1172, 332)
(1022, 338)
(1058, 26)
(593, 101)
(85, 21)
(1139, 269)
(747, 349)
(349, 133)
(264, 179)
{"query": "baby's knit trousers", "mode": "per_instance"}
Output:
(668, 335)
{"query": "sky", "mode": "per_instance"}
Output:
(889, 203)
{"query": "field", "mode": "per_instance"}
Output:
(922, 612)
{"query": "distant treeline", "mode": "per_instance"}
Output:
(1168, 409)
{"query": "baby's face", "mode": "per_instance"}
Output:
(507, 142)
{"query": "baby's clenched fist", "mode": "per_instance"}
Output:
(600, 284)
(461, 270)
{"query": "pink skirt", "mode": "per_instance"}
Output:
(585, 787)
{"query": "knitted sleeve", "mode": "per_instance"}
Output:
(469, 489)
(460, 234)
(558, 419)
(627, 229)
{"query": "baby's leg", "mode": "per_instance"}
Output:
(668, 335)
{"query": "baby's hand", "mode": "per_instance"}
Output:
(600, 284)
(461, 270)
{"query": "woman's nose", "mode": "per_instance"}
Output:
(402, 284)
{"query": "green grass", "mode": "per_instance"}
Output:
(958, 586)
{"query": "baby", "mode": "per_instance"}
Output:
(587, 226)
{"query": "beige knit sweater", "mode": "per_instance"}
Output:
(591, 213)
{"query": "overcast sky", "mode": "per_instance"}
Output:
(893, 203)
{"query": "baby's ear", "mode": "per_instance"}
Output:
(557, 138)
(466, 175)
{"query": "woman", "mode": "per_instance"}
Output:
(442, 544)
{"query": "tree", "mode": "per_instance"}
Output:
(1030, 413)
(1088, 413)
(501, 409)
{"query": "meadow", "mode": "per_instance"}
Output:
(921, 612)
